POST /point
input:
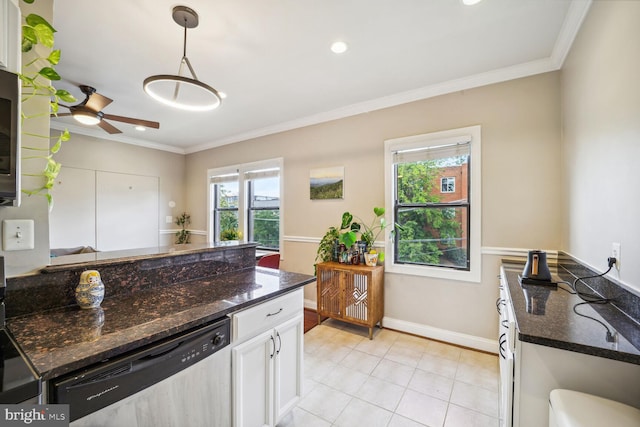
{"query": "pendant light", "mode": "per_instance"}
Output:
(179, 91)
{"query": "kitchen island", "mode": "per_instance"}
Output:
(148, 298)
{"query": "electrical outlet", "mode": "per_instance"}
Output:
(615, 253)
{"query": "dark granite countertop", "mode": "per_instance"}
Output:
(545, 315)
(62, 340)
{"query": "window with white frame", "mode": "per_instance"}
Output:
(448, 184)
(433, 194)
(245, 203)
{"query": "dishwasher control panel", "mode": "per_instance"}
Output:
(208, 345)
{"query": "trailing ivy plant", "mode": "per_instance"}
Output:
(37, 77)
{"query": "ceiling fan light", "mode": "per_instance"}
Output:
(85, 117)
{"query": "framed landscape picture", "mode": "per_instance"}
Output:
(326, 183)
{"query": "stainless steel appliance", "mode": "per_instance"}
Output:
(19, 382)
(183, 380)
(9, 139)
(506, 341)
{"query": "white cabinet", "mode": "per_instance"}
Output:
(540, 369)
(267, 359)
(10, 36)
(288, 375)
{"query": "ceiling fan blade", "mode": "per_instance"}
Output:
(108, 127)
(97, 102)
(131, 120)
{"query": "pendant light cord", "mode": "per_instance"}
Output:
(184, 44)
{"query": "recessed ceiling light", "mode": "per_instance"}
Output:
(141, 128)
(470, 2)
(339, 47)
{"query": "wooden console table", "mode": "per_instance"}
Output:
(351, 293)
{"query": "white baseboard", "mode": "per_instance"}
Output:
(452, 337)
(470, 341)
(310, 304)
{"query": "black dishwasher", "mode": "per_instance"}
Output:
(145, 372)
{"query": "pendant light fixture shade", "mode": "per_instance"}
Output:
(180, 91)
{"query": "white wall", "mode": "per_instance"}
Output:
(520, 123)
(95, 154)
(601, 141)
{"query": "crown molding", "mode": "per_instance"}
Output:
(576, 14)
(578, 10)
(96, 132)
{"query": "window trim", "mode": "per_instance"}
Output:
(243, 203)
(474, 274)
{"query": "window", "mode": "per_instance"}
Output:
(225, 196)
(447, 185)
(264, 208)
(245, 203)
(433, 193)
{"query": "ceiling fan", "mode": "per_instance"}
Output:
(89, 112)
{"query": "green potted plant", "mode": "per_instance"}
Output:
(349, 231)
(230, 234)
(369, 235)
(371, 232)
(182, 236)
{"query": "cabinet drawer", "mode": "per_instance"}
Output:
(252, 321)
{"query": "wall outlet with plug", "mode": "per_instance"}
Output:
(615, 253)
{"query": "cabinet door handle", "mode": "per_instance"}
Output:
(502, 342)
(276, 313)
(273, 343)
(279, 342)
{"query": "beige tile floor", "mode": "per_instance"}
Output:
(394, 380)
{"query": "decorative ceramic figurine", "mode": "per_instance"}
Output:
(90, 291)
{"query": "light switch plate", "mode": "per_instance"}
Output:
(17, 234)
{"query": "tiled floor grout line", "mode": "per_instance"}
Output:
(399, 351)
